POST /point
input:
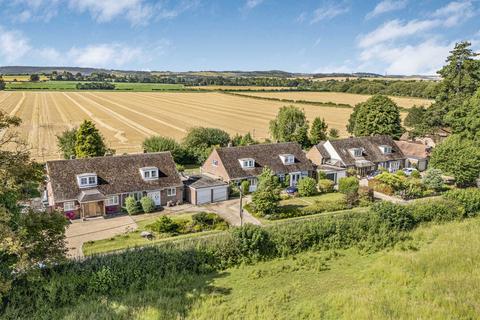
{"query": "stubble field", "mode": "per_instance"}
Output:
(337, 97)
(127, 118)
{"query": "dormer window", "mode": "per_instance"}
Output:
(149, 173)
(247, 163)
(287, 158)
(87, 180)
(385, 149)
(356, 152)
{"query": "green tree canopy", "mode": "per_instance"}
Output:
(459, 157)
(34, 77)
(465, 120)
(245, 140)
(267, 196)
(416, 120)
(2, 84)
(199, 141)
(378, 115)
(160, 144)
(89, 141)
(318, 130)
(290, 125)
(66, 143)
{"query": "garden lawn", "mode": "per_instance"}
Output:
(133, 239)
(306, 201)
(434, 275)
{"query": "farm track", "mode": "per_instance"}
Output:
(125, 119)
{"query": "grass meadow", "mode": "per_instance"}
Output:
(435, 274)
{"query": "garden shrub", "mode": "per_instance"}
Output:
(245, 186)
(395, 216)
(392, 180)
(131, 205)
(148, 205)
(326, 185)
(436, 210)
(102, 281)
(233, 189)
(468, 198)
(415, 174)
(400, 173)
(208, 221)
(164, 224)
(252, 242)
(351, 172)
(348, 185)
(307, 187)
(412, 189)
(321, 175)
(365, 196)
(433, 179)
(321, 206)
(380, 187)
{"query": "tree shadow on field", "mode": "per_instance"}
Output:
(170, 298)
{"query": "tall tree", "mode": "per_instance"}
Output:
(290, 125)
(416, 121)
(459, 157)
(89, 141)
(199, 141)
(159, 144)
(27, 239)
(267, 196)
(379, 115)
(465, 120)
(318, 130)
(66, 143)
(34, 77)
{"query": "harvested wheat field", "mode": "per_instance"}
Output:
(127, 118)
(337, 97)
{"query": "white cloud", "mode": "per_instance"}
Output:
(328, 11)
(422, 58)
(455, 12)
(396, 29)
(104, 55)
(250, 4)
(35, 10)
(13, 45)
(386, 6)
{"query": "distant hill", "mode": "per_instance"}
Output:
(21, 70)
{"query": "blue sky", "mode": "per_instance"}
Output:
(389, 36)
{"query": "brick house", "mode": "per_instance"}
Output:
(364, 154)
(235, 164)
(97, 186)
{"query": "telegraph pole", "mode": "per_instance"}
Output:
(241, 208)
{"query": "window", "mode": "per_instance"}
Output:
(287, 158)
(357, 152)
(247, 163)
(253, 182)
(214, 162)
(149, 173)
(111, 201)
(171, 192)
(87, 180)
(386, 149)
(136, 195)
(69, 206)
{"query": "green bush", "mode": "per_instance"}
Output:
(393, 181)
(208, 221)
(348, 185)
(436, 210)
(164, 225)
(321, 175)
(415, 174)
(412, 189)
(365, 196)
(321, 206)
(400, 173)
(148, 205)
(351, 172)
(131, 205)
(395, 216)
(433, 179)
(245, 187)
(307, 187)
(326, 185)
(468, 198)
(380, 187)
(252, 242)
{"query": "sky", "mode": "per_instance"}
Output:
(386, 37)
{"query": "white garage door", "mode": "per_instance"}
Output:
(204, 196)
(220, 194)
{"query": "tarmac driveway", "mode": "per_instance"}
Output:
(99, 228)
(230, 211)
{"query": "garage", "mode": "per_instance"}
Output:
(201, 189)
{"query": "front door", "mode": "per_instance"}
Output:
(294, 177)
(155, 196)
(92, 209)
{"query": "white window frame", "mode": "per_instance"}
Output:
(215, 162)
(87, 180)
(149, 173)
(136, 195)
(69, 206)
(253, 182)
(112, 201)
(357, 152)
(171, 192)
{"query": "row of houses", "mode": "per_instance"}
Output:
(90, 187)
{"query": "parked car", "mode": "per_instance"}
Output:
(291, 190)
(373, 174)
(408, 171)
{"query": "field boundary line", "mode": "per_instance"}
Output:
(120, 135)
(139, 113)
(60, 112)
(132, 124)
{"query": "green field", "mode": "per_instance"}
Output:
(70, 85)
(434, 275)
